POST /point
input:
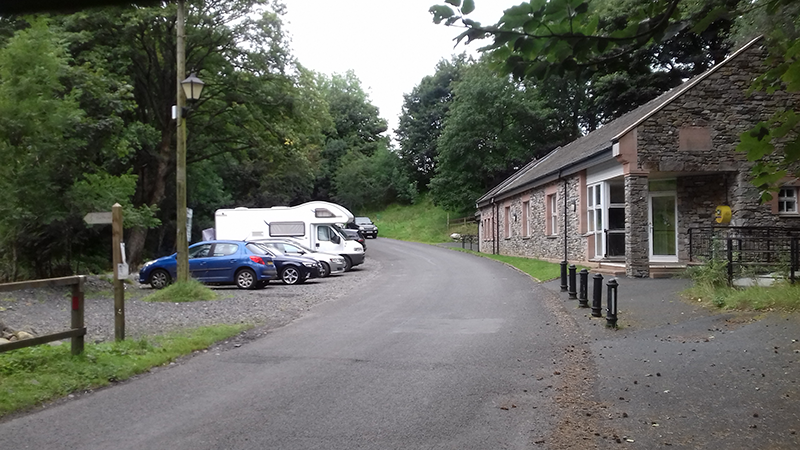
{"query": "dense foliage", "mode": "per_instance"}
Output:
(85, 122)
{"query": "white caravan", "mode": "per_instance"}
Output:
(311, 223)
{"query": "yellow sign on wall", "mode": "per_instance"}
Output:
(723, 214)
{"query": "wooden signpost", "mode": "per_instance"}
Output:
(114, 217)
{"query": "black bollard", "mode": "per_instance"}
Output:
(563, 276)
(611, 310)
(573, 294)
(583, 301)
(597, 296)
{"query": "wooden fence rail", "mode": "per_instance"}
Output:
(77, 330)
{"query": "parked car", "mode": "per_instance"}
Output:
(366, 227)
(292, 269)
(352, 235)
(329, 262)
(244, 264)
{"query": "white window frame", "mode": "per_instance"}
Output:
(596, 210)
(787, 204)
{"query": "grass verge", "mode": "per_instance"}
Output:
(33, 375)
(781, 296)
(538, 269)
(710, 287)
(188, 291)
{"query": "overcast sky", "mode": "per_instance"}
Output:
(390, 45)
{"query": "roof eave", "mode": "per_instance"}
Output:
(569, 170)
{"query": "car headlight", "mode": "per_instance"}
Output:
(359, 249)
(310, 264)
(148, 263)
(337, 260)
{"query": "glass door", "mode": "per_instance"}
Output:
(663, 226)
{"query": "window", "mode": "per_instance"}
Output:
(323, 213)
(323, 234)
(283, 229)
(615, 245)
(199, 251)
(288, 248)
(551, 221)
(525, 207)
(594, 208)
(787, 200)
(258, 249)
(506, 223)
(594, 219)
(225, 249)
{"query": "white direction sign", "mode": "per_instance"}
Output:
(97, 218)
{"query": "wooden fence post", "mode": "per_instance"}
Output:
(77, 314)
(119, 289)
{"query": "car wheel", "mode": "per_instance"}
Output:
(160, 279)
(348, 264)
(246, 279)
(290, 275)
(326, 268)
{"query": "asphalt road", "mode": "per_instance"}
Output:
(440, 350)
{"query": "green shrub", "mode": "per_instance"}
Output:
(189, 291)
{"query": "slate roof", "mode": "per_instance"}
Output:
(593, 148)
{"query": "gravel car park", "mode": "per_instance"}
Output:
(43, 311)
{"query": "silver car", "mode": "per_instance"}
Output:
(329, 262)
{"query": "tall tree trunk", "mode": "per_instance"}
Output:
(153, 179)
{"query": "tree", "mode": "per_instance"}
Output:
(248, 129)
(59, 143)
(494, 126)
(423, 117)
(364, 182)
(356, 127)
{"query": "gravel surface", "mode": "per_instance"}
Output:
(43, 311)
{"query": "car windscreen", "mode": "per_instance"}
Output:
(258, 249)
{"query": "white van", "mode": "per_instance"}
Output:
(310, 223)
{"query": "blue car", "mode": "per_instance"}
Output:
(245, 264)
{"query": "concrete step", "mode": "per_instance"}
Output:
(667, 271)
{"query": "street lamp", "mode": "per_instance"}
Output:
(192, 87)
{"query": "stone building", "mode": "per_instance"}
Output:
(630, 194)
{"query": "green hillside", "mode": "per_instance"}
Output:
(420, 222)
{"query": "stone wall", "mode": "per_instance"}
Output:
(540, 245)
(637, 233)
(698, 133)
(698, 198)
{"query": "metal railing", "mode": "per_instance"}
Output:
(469, 239)
(759, 249)
(77, 330)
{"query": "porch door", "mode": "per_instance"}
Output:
(663, 227)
